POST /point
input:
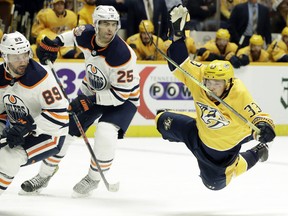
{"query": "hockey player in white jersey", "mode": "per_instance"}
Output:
(110, 88)
(33, 111)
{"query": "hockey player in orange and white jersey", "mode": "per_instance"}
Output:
(142, 45)
(33, 111)
(110, 89)
(214, 134)
(53, 21)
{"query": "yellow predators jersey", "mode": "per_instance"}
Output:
(264, 55)
(49, 24)
(277, 49)
(147, 52)
(85, 14)
(47, 18)
(211, 47)
(219, 128)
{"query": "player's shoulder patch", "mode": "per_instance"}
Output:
(34, 75)
(78, 30)
(119, 52)
(84, 35)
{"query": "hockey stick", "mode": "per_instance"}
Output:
(201, 85)
(110, 187)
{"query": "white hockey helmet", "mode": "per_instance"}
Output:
(14, 43)
(105, 12)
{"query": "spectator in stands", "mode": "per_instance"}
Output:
(278, 49)
(85, 13)
(219, 48)
(254, 52)
(200, 10)
(142, 45)
(247, 19)
(158, 16)
(53, 21)
(280, 18)
(69, 5)
(5, 13)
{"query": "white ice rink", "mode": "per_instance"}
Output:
(157, 178)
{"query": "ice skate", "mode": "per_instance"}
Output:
(262, 151)
(35, 185)
(85, 187)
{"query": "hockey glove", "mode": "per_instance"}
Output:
(22, 128)
(81, 104)
(234, 60)
(178, 17)
(267, 133)
(48, 49)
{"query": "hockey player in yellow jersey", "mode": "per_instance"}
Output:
(142, 45)
(278, 49)
(85, 13)
(215, 134)
(254, 52)
(219, 49)
(53, 21)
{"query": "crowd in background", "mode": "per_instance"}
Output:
(245, 30)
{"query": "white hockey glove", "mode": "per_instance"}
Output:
(178, 17)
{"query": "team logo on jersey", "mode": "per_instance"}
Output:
(15, 107)
(212, 117)
(96, 77)
(167, 123)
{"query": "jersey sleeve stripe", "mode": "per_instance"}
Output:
(65, 117)
(55, 121)
(42, 148)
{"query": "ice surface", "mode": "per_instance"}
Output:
(157, 178)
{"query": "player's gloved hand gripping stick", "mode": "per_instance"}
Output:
(15, 136)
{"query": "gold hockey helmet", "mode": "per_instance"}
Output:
(256, 40)
(223, 34)
(148, 25)
(219, 70)
(285, 31)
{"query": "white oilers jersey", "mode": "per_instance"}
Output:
(35, 93)
(110, 71)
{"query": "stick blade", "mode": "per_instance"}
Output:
(114, 187)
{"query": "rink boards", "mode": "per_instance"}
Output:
(267, 82)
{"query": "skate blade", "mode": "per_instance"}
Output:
(24, 193)
(76, 195)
